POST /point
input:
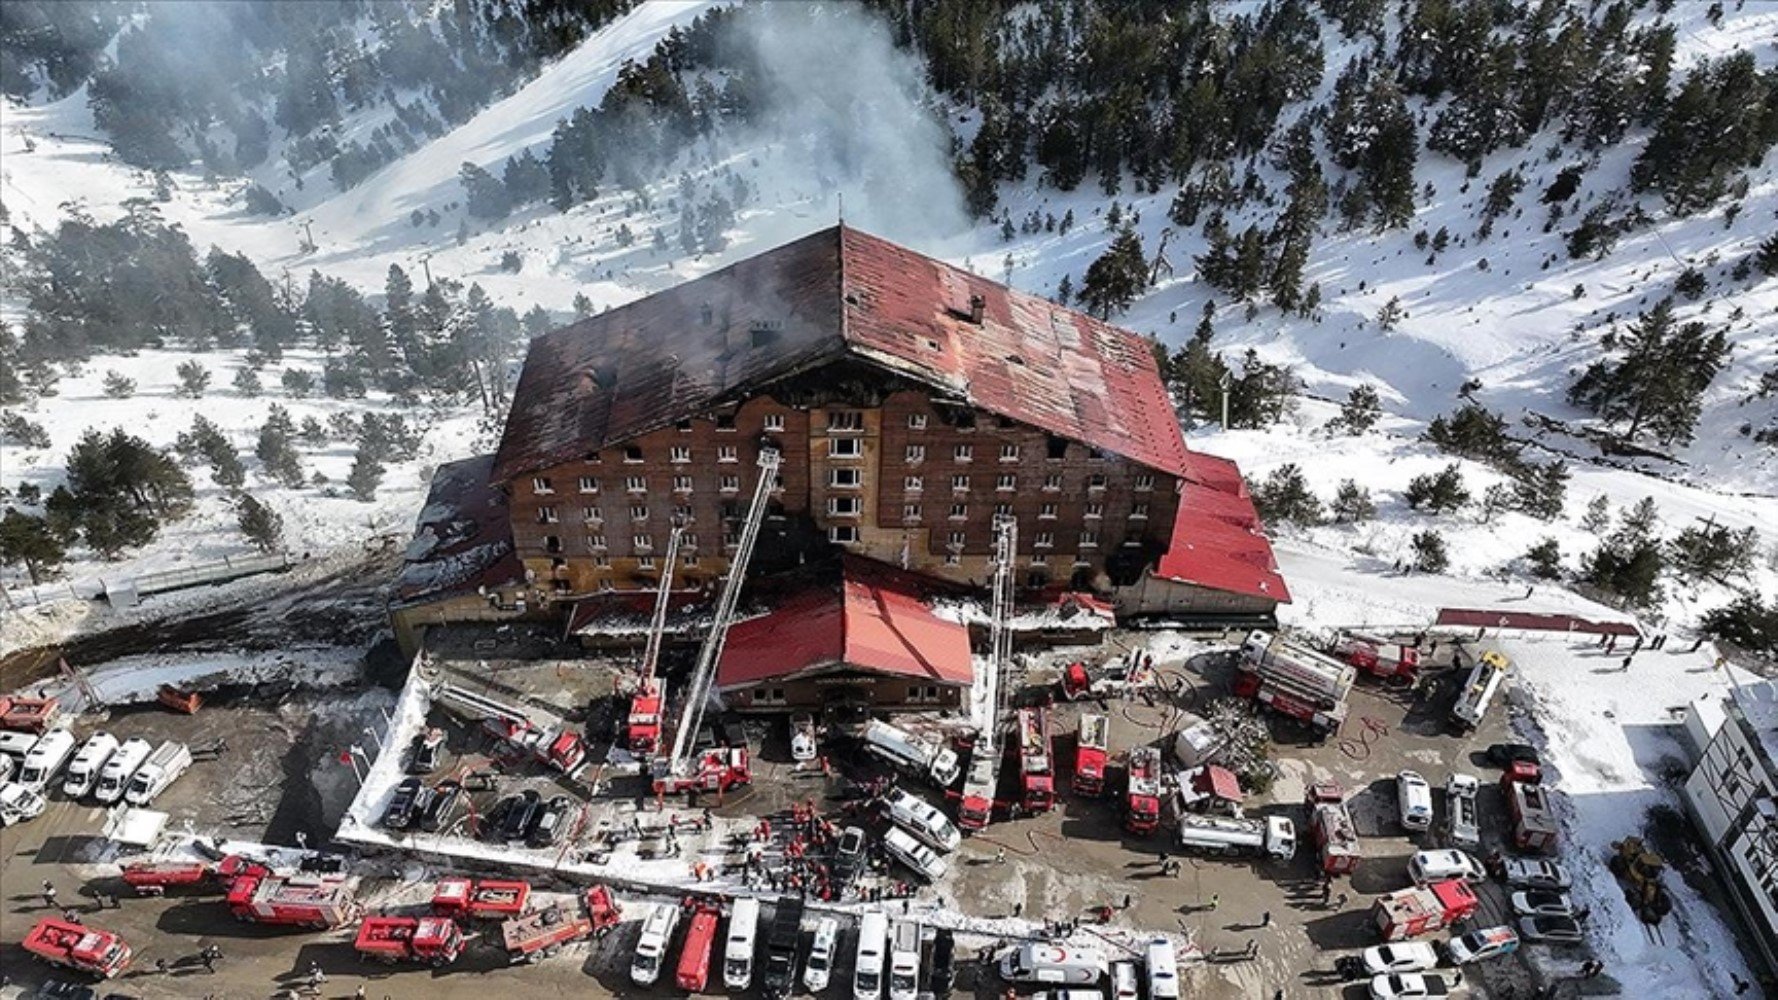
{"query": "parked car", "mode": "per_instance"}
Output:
(1435, 866)
(848, 855)
(428, 748)
(1551, 930)
(521, 816)
(1503, 755)
(1542, 903)
(941, 974)
(1401, 956)
(1476, 946)
(1414, 798)
(803, 745)
(1532, 873)
(821, 951)
(921, 859)
(438, 811)
(400, 812)
(551, 823)
(1414, 984)
(18, 804)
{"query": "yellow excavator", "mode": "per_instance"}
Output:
(1640, 870)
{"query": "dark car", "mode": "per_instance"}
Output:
(1504, 755)
(428, 748)
(438, 810)
(943, 976)
(848, 855)
(400, 814)
(322, 864)
(1551, 930)
(61, 989)
(552, 822)
(521, 817)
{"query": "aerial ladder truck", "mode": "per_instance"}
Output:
(718, 768)
(983, 778)
(642, 731)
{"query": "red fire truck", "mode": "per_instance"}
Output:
(434, 940)
(1528, 803)
(1411, 912)
(31, 715)
(715, 770)
(643, 728)
(1377, 657)
(603, 909)
(319, 902)
(1092, 747)
(1037, 777)
(154, 878)
(539, 934)
(700, 938)
(1335, 836)
(1142, 794)
(480, 899)
(79, 947)
(1294, 680)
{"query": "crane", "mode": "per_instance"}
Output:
(644, 727)
(983, 778)
(721, 768)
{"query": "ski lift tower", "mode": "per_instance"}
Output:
(983, 778)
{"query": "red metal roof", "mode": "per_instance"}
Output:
(873, 619)
(835, 294)
(1218, 540)
(1530, 620)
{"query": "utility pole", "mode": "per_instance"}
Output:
(1224, 383)
(426, 265)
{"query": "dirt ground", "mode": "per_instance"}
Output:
(281, 777)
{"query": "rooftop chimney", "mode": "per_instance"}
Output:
(977, 306)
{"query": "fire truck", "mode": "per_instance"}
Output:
(480, 899)
(642, 731)
(1037, 777)
(31, 715)
(154, 878)
(539, 934)
(76, 946)
(1335, 837)
(321, 902)
(558, 747)
(1142, 792)
(436, 941)
(1091, 749)
(1528, 803)
(1294, 680)
(1377, 657)
(1411, 912)
(700, 938)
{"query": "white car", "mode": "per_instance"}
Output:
(18, 804)
(902, 846)
(1414, 797)
(1477, 946)
(652, 946)
(1402, 956)
(1542, 903)
(1436, 866)
(820, 963)
(1414, 984)
(1533, 873)
(1551, 930)
(803, 745)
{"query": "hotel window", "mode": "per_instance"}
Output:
(592, 515)
(682, 484)
(842, 534)
(1040, 559)
(963, 452)
(645, 562)
(595, 543)
(1080, 559)
(689, 560)
(959, 511)
(1044, 540)
(845, 479)
(844, 420)
(588, 484)
(602, 561)
(953, 559)
(1089, 539)
(1055, 448)
(684, 514)
(636, 484)
(770, 696)
(607, 586)
(916, 421)
(546, 515)
(1139, 512)
(552, 543)
(679, 453)
(726, 453)
(913, 484)
(731, 484)
(774, 422)
(632, 453)
(638, 512)
(1095, 509)
(1009, 453)
(1002, 510)
(843, 506)
(916, 453)
(1145, 481)
(956, 539)
(960, 484)
(540, 485)
(683, 425)
(1006, 482)
(845, 448)
(1047, 512)
(642, 543)
(910, 512)
(725, 421)
(593, 458)
(1096, 481)
(1052, 483)
(688, 540)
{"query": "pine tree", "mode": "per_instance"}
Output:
(1541, 490)
(1714, 552)
(1597, 519)
(1766, 257)
(117, 386)
(27, 540)
(1262, 394)
(298, 383)
(583, 306)
(1119, 275)
(1655, 377)
(1361, 411)
(1429, 551)
(263, 526)
(1352, 503)
(1545, 559)
(365, 477)
(277, 450)
(194, 378)
(1438, 492)
(1285, 498)
(247, 382)
(1475, 432)
(484, 197)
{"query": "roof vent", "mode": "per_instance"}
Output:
(763, 332)
(978, 307)
(597, 378)
(1014, 359)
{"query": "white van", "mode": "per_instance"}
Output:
(1124, 981)
(8, 764)
(923, 820)
(1413, 796)
(1427, 867)
(904, 961)
(821, 951)
(737, 955)
(160, 770)
(83, 770)
(1033, 962)
(16, 744)
(1163, 970)
(651, 947)
(115, 776)
(912, 752)
(867, 966)
(902, 846)
(46, 759)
